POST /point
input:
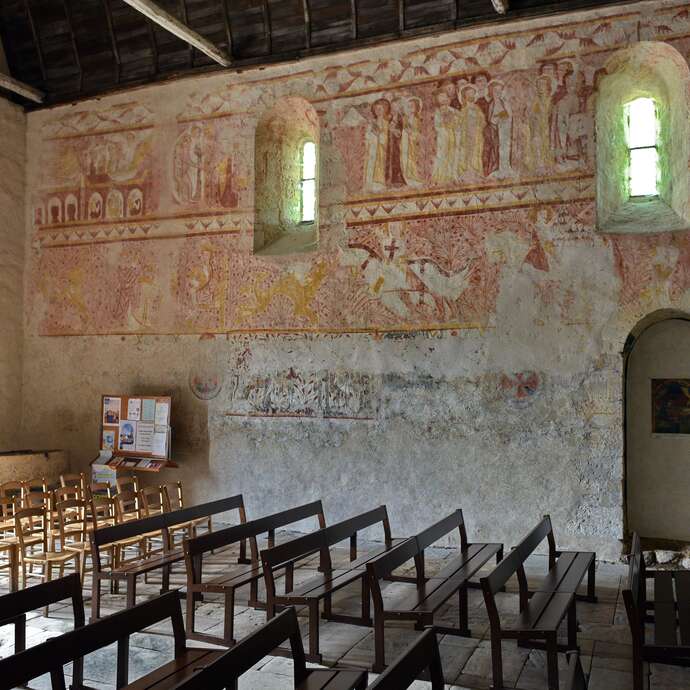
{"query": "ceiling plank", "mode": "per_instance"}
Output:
(70, 26)
(228, 27)
(307, 23)
(37, 42)
(21, 89)
(501, 6)
(175, 26)
(267, 25)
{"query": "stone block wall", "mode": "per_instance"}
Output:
(12, 222)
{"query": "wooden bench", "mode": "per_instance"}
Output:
(432, 593)
(422, 655)
(326, 583)
(541, 610)
(229, 581)
(668, 612)
(51, 656)
(129, 570)
(15, 606)
(225, 671)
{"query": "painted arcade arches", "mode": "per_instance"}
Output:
(656, 71)
(284, 135)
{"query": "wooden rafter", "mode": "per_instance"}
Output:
(401, 16)
(113, 40)
(353, 18)
(307, 23)
(267, 25)
(501, 6)
(175, 26)
(37, 42)
(228, 28)
(20, 88)
(70, 26)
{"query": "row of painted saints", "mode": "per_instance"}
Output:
(478, 132)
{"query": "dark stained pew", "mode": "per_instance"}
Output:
(15, 606)
(667, 614)
(543, 609)
(322, 586)
(431, 593)
(423, 654)
(128, 570)
(225, 671)
(51, 656)
(230, 580)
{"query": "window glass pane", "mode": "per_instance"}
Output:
(309, 161)
(308, 200)
(643, 172)
(642, 123)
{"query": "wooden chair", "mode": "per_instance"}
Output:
(12, 490)
(127, 506)
(77, 481)
(422, 654)
(225, 671)
(73, 521)
(38, 484)
(174, 500)
(99, 489)
(127, 482)
(31, 525)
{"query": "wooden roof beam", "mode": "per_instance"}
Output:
(501, 6)
(175, 26)
(20, 88)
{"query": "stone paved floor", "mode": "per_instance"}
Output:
(603, 637)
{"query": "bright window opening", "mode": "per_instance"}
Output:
(308, 183)
(642, 128)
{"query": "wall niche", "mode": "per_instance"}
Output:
(283, 138)
(658, 71)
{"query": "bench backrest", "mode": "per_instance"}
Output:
(348, 529)
(224, 671)
(17, 604)
(155, 523)
(422, 654)
(441, 528)
(294, 550)
(635, 593)
(513, 563)
(52, 655)
(195, 548)
(225, 537)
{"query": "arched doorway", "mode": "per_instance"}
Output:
(657, 433)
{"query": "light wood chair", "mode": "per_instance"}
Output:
(39, 484)
(99, 489)
(72, 517)
(75, 480)
(127, 482)
(12, 490)
(174, 500)
(31, 525)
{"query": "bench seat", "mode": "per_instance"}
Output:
(176, 671)
(145, 564)
(568, 572)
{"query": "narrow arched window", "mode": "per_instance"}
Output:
(642, 131)
(308, 183)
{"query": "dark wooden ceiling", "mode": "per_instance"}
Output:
(71, 49)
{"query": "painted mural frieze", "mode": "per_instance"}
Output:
(322, 394)
(453, 171)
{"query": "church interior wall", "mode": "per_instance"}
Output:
(454, 340)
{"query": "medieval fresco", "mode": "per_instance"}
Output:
(448, 171)
(670, 406)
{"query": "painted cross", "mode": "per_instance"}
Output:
(391, 249)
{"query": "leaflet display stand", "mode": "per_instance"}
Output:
(135, 436)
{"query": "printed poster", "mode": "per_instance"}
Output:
(160, 443)
(128, 435)
(148, 410)
(162, 413)
(111, 410)
(145, 436)
(109, 437)
(134, 409)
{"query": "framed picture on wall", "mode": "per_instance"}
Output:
(671, 406)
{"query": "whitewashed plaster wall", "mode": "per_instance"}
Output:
(12, 178)
(511, 417)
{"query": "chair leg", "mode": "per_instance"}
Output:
(131, 592)
(228, 624)
(191, 612)
(638, 671)
(49, 576)
(591, 582)
(572, 626)
(379, 645)
(464, 624)
(366, 602)
(496, 662)
(95, 597)
(552, 661)
(314, 632)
